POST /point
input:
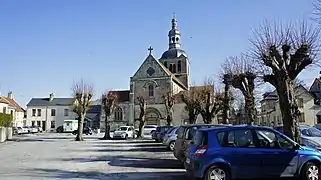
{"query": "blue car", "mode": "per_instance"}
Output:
(246, 152)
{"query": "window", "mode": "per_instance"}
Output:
(38, 112)
(4, 110)
(38, 123)
(179, 66)
(302, 118)
(118, 114)
(66, 112)
(174, 68)
(53, 112)
(239, 138)
(220, 137)
(165, 64)
(300, 102)
(180, 132)
(284, 143)
(267, 139)
(200, 138)
(151, 90)
(171, 67)
(33, 112)
(33, 123)
(52, 124)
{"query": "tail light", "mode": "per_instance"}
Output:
(201, 151)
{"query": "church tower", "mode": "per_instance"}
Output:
(175, 58)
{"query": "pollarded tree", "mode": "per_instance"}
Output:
(192, 102)
(108, 101)
(142, 107)
(83, 93)
(240, 73)
(284, 52)
(211, 101)
(169, 101)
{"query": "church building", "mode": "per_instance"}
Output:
(152, 80)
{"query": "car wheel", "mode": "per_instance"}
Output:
(310, 172)
(217, 172)
(171, 145)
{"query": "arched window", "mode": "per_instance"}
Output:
(118, 114)
(179, 66)
(151, 90)
(174, 68)
(171, 67)
(165, 64)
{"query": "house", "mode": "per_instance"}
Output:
(49, 113)
(271, 113)
(9, 106)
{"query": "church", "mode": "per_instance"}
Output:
(152, 80)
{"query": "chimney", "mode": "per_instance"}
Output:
(10, 94)
(51, 96)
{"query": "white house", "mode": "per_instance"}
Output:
(271, 113)
(49, 113)
(9, 106)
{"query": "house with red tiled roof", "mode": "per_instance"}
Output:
(9, 106)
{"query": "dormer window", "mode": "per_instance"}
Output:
(165, 64)
(179, 66)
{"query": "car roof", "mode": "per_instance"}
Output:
(236, 127)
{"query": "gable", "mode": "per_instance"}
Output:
(150, 68)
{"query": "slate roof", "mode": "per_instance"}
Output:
(54, 102)
(123, 95)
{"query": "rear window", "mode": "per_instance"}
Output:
(200, 138)
(180, 132)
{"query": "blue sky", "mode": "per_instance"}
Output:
(47, 45)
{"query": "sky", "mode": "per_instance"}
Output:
(47, 45)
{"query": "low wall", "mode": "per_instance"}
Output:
(5, 133)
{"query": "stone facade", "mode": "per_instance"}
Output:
(153, 79)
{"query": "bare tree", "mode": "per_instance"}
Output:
(142, 106)
(227, 98)
(169, 101)
(83, 93)
(317, 11)
(108, 102)
(240, 73)
(191, 99)
(283, 53)
(210, 101)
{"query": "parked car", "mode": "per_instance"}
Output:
(17, 130)
(170, 138)
(310, 136)
(39, 129)
(185, 135)
(31, 129)
(25, 130)
(159, 133)
(148, 129)
(249, 152)
(87, 131)
(124, 132)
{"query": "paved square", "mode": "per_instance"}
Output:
(58, 156)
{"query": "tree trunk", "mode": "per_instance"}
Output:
(141, 128)
(289, 109)
(169, 118)
(107, 129)
(192, 118)
(80, 127)
(250, 108)
(226, 104)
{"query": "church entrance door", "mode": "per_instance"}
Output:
(152, 117)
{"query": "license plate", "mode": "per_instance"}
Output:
(187, 160)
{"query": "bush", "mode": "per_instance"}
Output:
(6, 120)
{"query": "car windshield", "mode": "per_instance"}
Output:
(315, 132)
(122, 129)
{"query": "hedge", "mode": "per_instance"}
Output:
(5, 120)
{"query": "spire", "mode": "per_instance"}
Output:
(150, 49)
(174, 35)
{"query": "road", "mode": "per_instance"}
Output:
(58, 156)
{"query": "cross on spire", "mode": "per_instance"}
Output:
(150, 49)
(174, 15)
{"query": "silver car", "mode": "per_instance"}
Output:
(170, 138)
